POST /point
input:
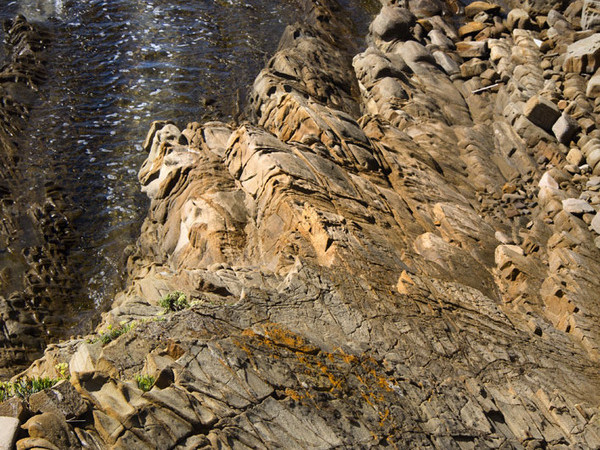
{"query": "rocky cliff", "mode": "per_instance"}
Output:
(399, 249)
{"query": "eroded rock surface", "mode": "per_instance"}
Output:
(396, 251)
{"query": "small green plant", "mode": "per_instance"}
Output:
(174, 301)
(114, 332)
(63, 370)
(24, 387)
(144, 382)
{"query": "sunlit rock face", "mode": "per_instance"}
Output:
(392, 252)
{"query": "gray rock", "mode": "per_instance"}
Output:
(426, 8)
(596, 223)
(577, 206)
(593, 181)
(473, 68)
(9, 426)
(518, 18)
(62, 398)
(439, 39)
(446, 62)
(547, 181)
(413, 52)
(590, 15)
(593, 86)
(393, 23)
(583, 56)
(565, 128)
(541, 112)
(388, 88)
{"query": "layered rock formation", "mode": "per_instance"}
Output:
(399, 249)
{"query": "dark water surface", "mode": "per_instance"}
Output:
(116, 65)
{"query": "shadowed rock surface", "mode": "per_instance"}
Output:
(400, 249)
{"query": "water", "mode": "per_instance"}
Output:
(116, 65)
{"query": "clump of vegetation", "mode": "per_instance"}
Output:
(114, 332)
(174, 301)
(144, 382)
(63, 370)
(24, 387)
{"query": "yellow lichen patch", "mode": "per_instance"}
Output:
(384, 415)
(285, 338)
(297, 396)
(248, 332)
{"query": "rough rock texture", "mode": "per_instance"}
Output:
(388, 254)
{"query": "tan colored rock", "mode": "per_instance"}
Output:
(541, 112)
(471, 29)
(475, 49)
(583, 56)
(476, 7)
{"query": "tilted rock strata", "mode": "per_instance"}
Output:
(422, 276)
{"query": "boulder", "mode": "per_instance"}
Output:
(547, 182)
(583, 56)
(62, 398)
(593, 86)
(473, 68)
(475, 49)
(473, 9)
(577, 206)
(471, 29)
(565, 128)
(439, 39)
(518, 18)
(426, 8)
(446, 62)
(9, 426)
(596, 223)
(542, 112)
(590, 15)
(393, 23)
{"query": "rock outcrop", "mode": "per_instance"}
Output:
(400, 249)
